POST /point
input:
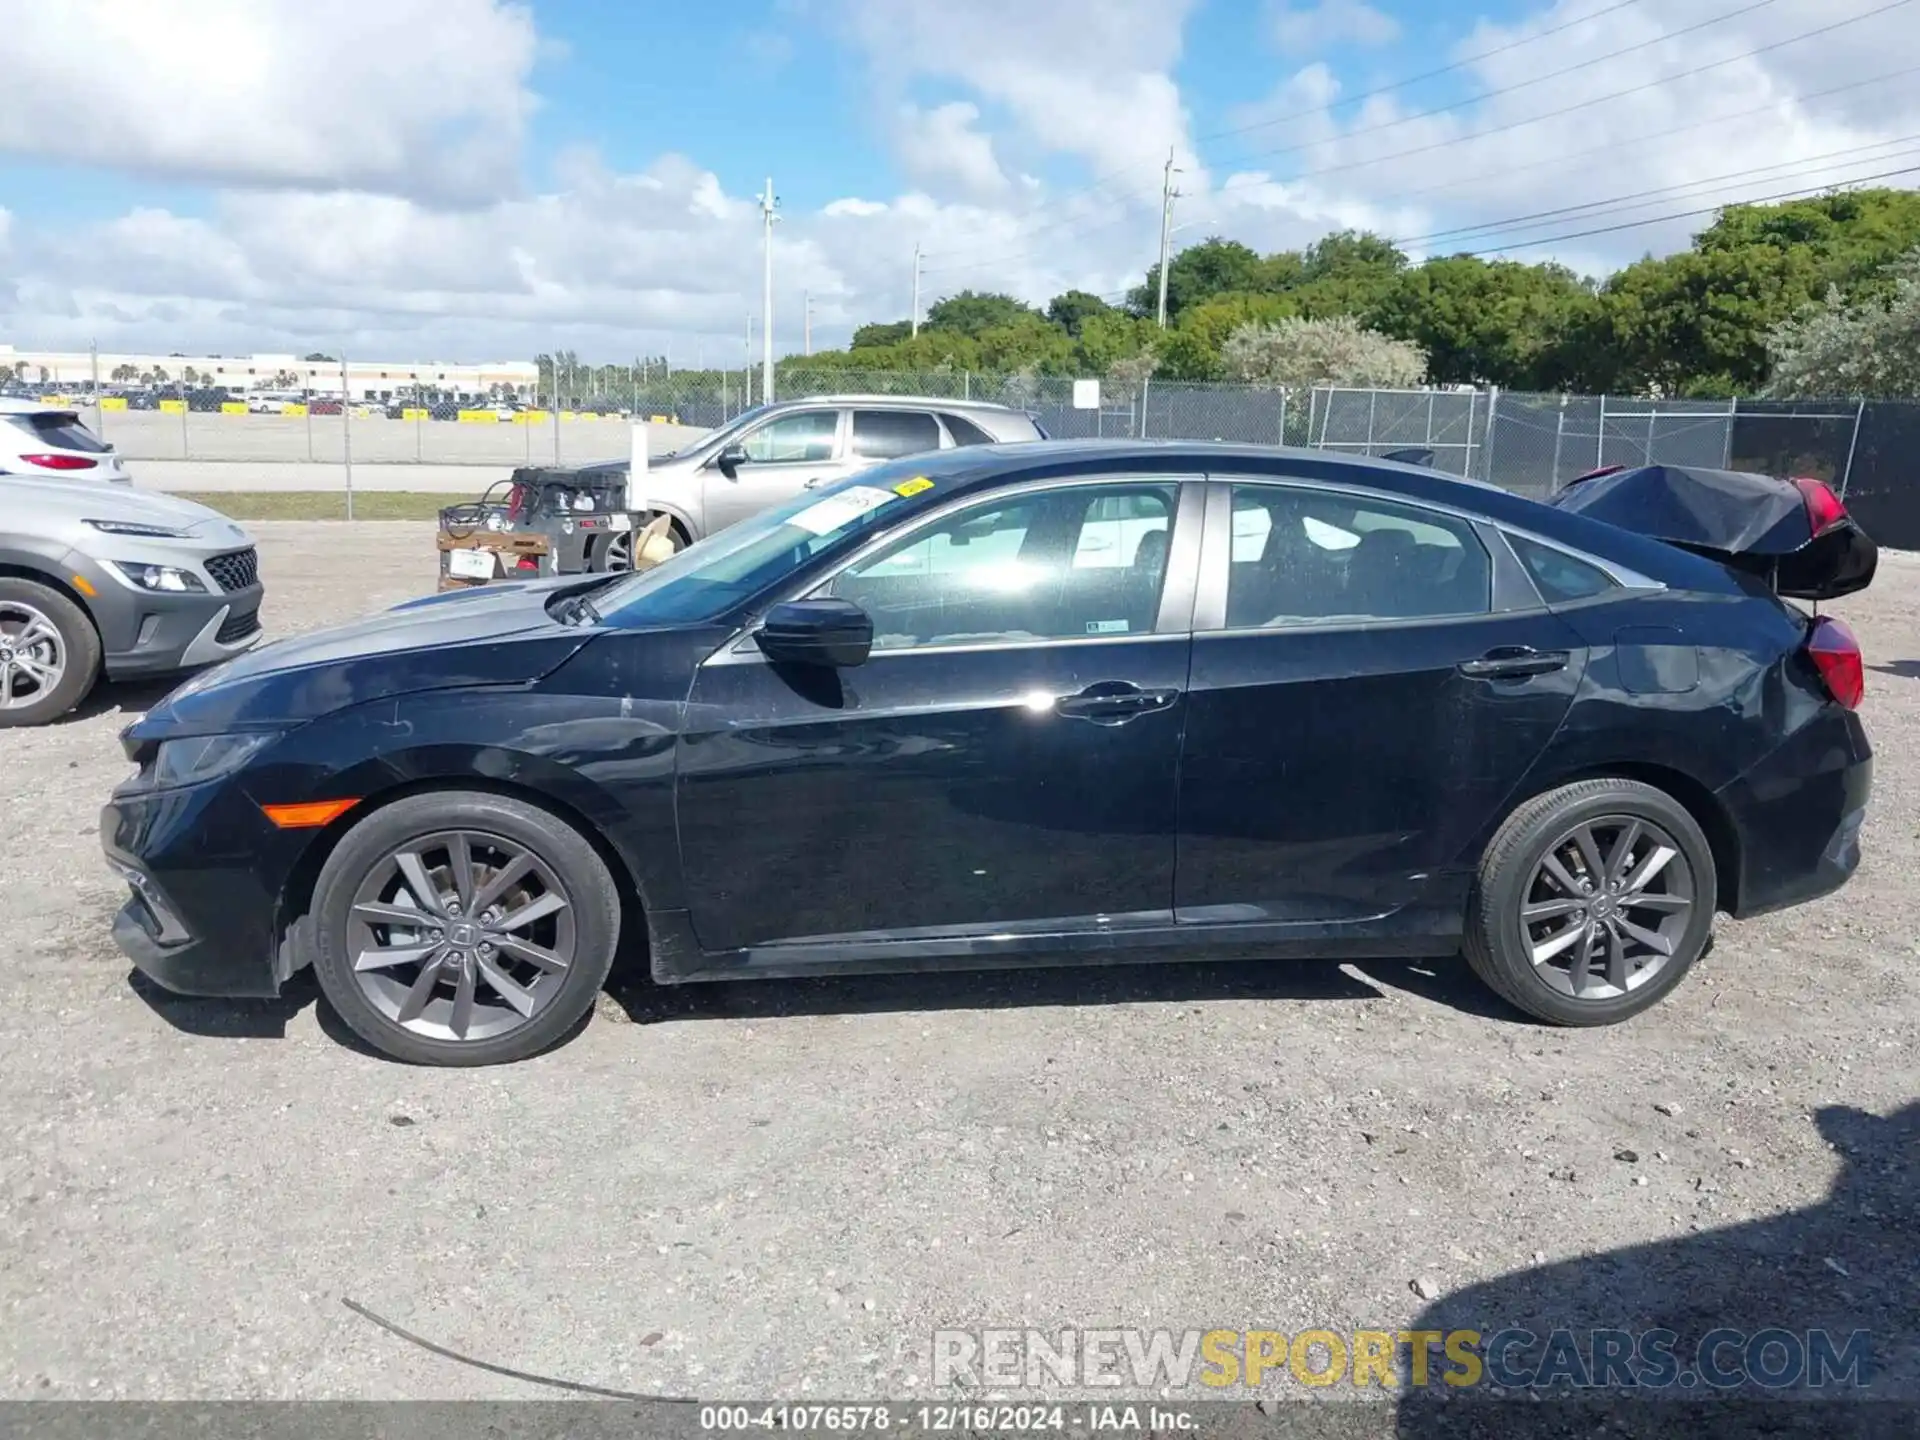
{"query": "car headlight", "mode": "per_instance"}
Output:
(206, 757)
(128, 527)
(165, 578)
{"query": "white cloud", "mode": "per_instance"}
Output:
(326, 225)
(940, 147)
(416, 97)
(1329, 23)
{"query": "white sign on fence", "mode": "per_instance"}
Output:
(1086, 394)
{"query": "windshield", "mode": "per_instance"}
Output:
(725, 432)
(705, 580)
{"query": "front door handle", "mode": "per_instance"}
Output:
(813, 484)
(1514, 662)
(1113, 702)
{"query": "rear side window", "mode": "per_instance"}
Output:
(965, 432)
(1304, 557)
(61, 432)
(1557, 574)
(890, 434)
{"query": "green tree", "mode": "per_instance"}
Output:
(1871, 347)
(1485, 322)
(1213, 267)
(1193, 346)
(871, 337)
(1072, 309)
(1346, 273)
(972, 313)
(1106, 338)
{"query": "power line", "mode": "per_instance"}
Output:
(1526, 84)
(1388, 89)
(1588, 103)
(1621, 147)
(1688, 214)
(1644, 196)
(1099, 182)
(1445, 109)
(1244, 181)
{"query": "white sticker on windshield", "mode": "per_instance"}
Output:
(837, 509)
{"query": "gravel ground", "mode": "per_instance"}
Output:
(784, 1188)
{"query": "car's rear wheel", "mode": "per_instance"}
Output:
(1592, 902)
(463, 928)
(49, 653)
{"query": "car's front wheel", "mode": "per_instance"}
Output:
(49, 653)
(463, 928)
(1592, 902)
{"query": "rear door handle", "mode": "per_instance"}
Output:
(1113, 702)
(1514, 662)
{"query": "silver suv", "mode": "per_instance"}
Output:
(103, 579)
(770, 454)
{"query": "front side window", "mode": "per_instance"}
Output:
(1048, 565)
(1302, 556)
(890, 434)
(806, 438)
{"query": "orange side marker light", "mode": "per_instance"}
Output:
(310, 816)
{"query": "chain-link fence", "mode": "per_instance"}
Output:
(547, 412)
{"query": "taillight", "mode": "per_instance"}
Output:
(60, 462)
(1824, 508)
(1836, 655)
(516, 502)
(526, 562)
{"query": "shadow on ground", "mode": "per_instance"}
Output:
(1836, 1280)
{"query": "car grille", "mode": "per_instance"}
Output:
(237, 627)
(237, 570)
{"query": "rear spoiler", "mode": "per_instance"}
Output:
(1796, 533)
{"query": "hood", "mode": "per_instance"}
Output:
(105, 500)
(487, 635)
(1796, 532)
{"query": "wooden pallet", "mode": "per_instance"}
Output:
(505, 549)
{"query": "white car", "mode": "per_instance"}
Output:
(48, 442)
(272, 402)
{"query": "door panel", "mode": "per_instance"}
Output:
(928, 789)
(1006, 758)
(1343, 750)
(784, 455)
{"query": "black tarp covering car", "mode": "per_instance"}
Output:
(1795, 533)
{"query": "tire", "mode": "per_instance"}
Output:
(1522, 958)
(30, 608)
(365, 877)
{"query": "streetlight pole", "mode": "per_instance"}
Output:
(769, 203)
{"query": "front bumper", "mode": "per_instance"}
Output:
(205, 870)
(150, 633)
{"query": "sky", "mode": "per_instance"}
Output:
(483, 179)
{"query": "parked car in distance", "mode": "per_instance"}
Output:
(770, 454)
(52, 442)
(914, 721)
(101, 580)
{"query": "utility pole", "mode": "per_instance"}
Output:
(769, 203)
(747, 381)
(806, 324)
(1167, 196)
(916, 287)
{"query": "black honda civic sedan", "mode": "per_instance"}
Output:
(1031, 704)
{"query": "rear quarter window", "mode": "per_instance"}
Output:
(61, 432)
(1558, 575)
(965, 432)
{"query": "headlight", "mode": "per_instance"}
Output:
(127, 527)
(206, 757)
(164, 578)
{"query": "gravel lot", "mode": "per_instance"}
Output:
(783, 1188)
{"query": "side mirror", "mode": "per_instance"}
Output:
(730, 459)
(824, 631)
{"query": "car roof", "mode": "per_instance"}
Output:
(13, 406)
(900, 402)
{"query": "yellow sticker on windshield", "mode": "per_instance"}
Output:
(913, 486)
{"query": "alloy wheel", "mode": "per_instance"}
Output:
(619, 554)
(461, 935)
(1607, 907)
(33, 657)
